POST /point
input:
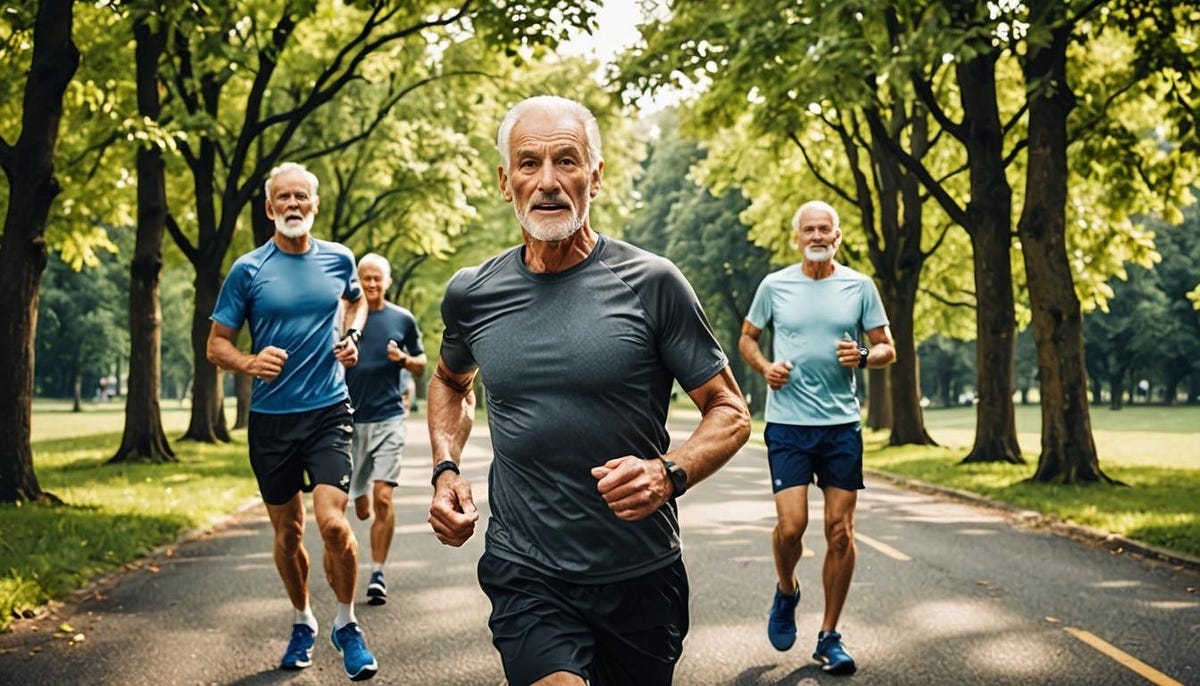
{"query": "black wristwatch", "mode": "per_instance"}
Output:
(679, 481)
(443, 466)
(352, 334)
(862, 357)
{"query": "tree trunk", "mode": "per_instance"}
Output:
(29, 168)
(879, 398)
(988, 222)
(144, 438)
(1068, 449)
(207, 423)
(77, 393)
(1116, 390)
(908, 420)
(243, 385)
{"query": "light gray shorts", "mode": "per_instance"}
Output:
(376, 452)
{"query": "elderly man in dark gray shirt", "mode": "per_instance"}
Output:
(578, 338)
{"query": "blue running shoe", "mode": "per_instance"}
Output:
(832, 656)
(360, 663)
(377, 589)
(299, 650)
(781, 625)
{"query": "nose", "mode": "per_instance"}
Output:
(547, 180)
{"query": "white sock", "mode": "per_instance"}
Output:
(376, 567)
(345, 615)
(305, 616)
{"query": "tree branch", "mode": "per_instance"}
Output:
(947, 301)
(189, 251)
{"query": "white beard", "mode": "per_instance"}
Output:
(294, 230)
(815, 254)
(553, 231)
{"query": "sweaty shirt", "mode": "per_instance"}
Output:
(292, 302)
(376, 383)
(578, 367)
(810, 316)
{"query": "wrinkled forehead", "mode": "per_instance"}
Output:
(291, 180)
(551, 128)
(815, 217)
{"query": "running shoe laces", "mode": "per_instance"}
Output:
(299, 650)
(359, 662)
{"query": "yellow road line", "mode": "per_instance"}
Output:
(1149, 673)
(882, 547)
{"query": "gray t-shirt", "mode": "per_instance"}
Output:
(578, 367)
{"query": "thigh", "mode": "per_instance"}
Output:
(640, 625)
(274, 457)
(326, 449)
(534, 625)
(387, 449)
(790, 455)
(840, 464)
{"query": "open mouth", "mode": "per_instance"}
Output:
(549, 207)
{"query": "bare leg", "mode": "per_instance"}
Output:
(291, 559)
(840, 554)
(787, 539)
(560, 679)
(362, 507)
(384, 525)
(341, 548)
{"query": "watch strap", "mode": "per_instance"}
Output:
(862, 357)
(443, 466)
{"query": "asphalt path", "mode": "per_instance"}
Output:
(944, 593)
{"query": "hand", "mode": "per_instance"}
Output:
(778, 374)
(267, 364)
(633, 488)
(346, 352)
(452, 513)
(395, 354)
(847, 353)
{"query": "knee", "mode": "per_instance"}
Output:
(839, 534)
(382, 505)
(289, 538)
(790, 533)
(336, 534)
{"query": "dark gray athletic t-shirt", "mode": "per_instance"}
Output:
(578, 368)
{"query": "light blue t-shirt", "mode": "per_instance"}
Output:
(292, 302)
(810, 316)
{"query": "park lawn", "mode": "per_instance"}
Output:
(1154, 450)
(113, 514)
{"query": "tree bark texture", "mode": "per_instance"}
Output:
(207, 423)
(144, 438)
(29, 167)
(989, 223)
(1068, 450)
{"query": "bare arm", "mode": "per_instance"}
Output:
(450, 407)
(635, 488)
(882, 350)
(223, 352)
(776, 373)
(415, 364)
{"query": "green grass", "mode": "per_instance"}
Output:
(112, 514)
(1155, 450)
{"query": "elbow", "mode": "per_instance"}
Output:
(740, 424)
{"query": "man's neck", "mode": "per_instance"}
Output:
(550, 258)
(292, 246)
(817, 270)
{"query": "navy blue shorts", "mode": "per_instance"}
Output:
(296, 451)
(833, 454)
(626, 633)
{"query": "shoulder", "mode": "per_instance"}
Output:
(841, 271)
(336, 250)
(249, 263)
(631, 262)
(397, 312)
(470, 279)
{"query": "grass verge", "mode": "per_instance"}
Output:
(1154, 450)
(113, 513)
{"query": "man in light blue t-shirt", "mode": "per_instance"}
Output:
(820, 310)
(296, 293)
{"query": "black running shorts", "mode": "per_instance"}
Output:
(628, 633)
(296, 451)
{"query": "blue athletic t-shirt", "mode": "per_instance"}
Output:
(810, 315)
(292, 302)
(376, 383)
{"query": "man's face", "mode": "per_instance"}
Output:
(292, 205)
(549, 182)
(374, 283)
(816, 235)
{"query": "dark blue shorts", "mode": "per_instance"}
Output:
(296, 451)
(626, 633)
(833, 454)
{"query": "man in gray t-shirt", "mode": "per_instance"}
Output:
(578, 338)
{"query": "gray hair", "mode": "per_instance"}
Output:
(563, 105)
(287, 167)
(816, 205)
(377, 260)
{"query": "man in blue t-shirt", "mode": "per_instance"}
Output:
(292, 291)
(819, 309)
(389, 351)
(578, 338)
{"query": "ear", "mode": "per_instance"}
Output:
(597, 180)
(505, 192)
(270, 210)
(316, 204)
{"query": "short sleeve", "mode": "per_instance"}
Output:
(686, 341)
(234, 297)
(760, 308)
(456, 353)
